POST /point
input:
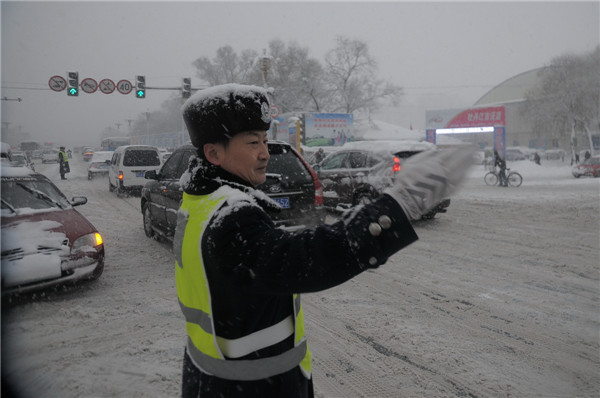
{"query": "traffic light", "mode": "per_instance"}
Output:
(186, 87)
(72, 84)
(140, 84)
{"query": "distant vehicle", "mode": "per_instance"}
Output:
(587, 168)
(112, 143)
(308, 152)
(50, 156)
(290, 182)
(99, 164)
(360, 171)
(45, 241)
(6, 151)
(30, 146)
(20, 159)
(87, 154)
(128, 166)
(37, 154)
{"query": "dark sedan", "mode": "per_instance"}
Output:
(291, 183)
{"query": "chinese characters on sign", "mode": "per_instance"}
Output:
(480, 117)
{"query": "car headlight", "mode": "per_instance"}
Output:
(88, 242)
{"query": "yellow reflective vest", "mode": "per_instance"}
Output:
(210, 352)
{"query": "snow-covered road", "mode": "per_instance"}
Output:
(498, 298)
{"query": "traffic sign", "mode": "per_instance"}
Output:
(57, 83)
(124, 86)
(89, 85)
(274, 111)
(107, 86)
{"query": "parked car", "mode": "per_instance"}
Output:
(50, 156)
(589, 168)
(45, 241)
(99, 164)
(291, 182)
(360, 171)
(128, 166)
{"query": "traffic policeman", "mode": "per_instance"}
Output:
(239, 278)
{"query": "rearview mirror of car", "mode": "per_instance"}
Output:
(151, 175)
(78, 200)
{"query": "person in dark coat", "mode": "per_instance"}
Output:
(501, 164)
(239, 278)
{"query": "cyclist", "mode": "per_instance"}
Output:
(501, 164)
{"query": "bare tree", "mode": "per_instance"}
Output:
(350, 76)
(295, 77)
(226, 67)
(297, 82)
(567, 98)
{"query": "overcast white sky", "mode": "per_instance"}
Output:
(445, 54)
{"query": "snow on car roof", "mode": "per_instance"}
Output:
(10, 171)
(390, 146)
(101, 156)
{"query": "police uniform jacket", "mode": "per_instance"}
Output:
(253, 268)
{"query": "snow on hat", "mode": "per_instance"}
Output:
(218, 113)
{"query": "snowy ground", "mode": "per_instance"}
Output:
(498, 298)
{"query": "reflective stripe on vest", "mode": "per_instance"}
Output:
(208, 351)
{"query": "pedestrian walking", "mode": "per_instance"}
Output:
(239, 279)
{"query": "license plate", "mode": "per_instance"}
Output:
(140, 173)
(283, 202)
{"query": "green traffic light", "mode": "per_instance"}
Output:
(141, 94)
(73, 91)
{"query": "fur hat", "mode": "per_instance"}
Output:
(218, 113)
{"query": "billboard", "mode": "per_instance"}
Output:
(328, 129)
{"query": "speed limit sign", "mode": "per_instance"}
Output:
(124, 86)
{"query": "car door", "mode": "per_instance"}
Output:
(334, 174)
(174, 192)
(159, 190)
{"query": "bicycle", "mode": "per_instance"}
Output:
(513, 178)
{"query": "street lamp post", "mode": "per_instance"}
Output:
(147, 128)
(265, 66)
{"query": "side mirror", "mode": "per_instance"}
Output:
(316, 167)
(78, 200)
(107, 162)
(151, 175)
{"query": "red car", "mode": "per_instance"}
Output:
(45, 241)
(589, 167)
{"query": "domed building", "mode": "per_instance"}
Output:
(495, 120)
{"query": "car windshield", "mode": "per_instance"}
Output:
(141, 157)
(286, 164)
(30, 193)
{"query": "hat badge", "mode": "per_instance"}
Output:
(265, 112)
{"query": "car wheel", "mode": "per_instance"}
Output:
(111, 187)
(90, 176)
(148, 221)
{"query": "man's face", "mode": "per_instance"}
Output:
(246, 156)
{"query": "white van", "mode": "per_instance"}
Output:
(129, 164)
